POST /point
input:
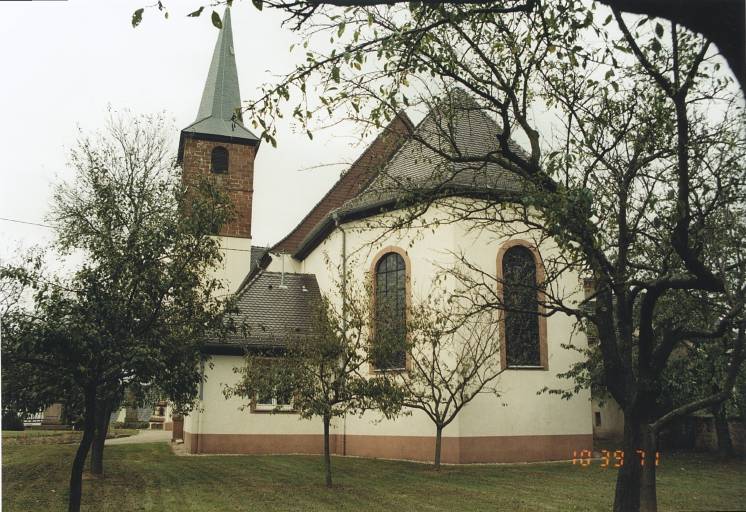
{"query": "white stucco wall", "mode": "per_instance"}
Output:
(235, 264)
(284, 263)
(612, 419)
(218, 415)
(518, 411)
(524, 412)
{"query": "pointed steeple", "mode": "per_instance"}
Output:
(218, 115)
(222, 95)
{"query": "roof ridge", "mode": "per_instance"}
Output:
(456, 118)
(413, 130)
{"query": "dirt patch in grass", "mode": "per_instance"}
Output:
(34, 437)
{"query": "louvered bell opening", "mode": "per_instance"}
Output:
(219, 160)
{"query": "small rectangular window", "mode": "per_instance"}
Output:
(273, 403)
(598, 419)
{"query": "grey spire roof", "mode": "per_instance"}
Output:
(221, 98)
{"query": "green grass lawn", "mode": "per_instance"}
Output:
(150, 477)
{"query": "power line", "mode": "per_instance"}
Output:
(27, 222)
(52, 227)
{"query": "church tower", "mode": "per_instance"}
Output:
(217, 144)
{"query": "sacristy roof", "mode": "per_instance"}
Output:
(271, 307)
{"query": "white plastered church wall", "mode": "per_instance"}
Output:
(232, 269)
(221, 415)
(526, 413)
(363, 243)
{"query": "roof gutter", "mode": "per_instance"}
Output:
(336, 217)
(238, 349)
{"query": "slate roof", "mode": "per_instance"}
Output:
(217, 115)
(270, 307)
(457, 127)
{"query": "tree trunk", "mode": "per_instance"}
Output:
(76, 473)
(438, 439)
(327, 455)
(103, 416)
(725, 443)
(627, 494)
(646, 460)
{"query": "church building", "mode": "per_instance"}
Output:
(277, 286)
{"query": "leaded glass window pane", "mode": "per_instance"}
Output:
(390, 287)
(521, 307)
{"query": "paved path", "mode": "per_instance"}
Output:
(144, 436)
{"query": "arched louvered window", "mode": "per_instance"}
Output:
(219, 160)
(521, 308)
(389, 351)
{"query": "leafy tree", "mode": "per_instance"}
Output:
(322, 372)
(134, 312)
(641, 160)
(698, 368)
(688, 381)
(637, 161)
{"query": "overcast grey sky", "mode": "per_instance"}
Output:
(62, 63)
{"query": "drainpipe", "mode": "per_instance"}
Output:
(344, 311)
(201, 403)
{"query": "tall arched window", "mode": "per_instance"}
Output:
(219, 159)
(389, 350)
(521, 315)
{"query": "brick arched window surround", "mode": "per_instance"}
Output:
(377, 260)
(219, 160)
(540, 297)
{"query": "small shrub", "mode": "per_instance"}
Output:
(12, 421)
(135, 424)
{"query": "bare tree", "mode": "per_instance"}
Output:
(453, 355)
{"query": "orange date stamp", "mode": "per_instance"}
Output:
(613, 459)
